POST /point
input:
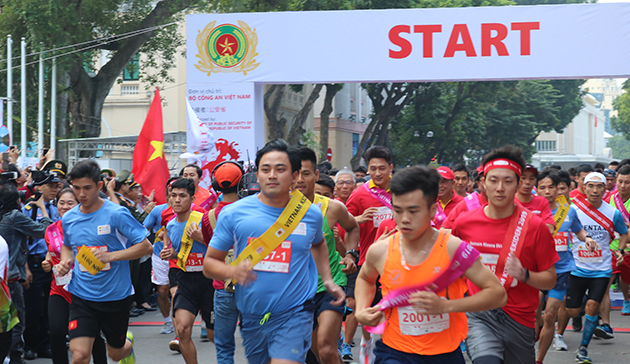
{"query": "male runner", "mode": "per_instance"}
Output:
(345, 183)
(431, 329)
(462, 177)
(276, 301)
(613, 165)
(370, 204)
(569, 224)
(328, 318)
(447, 199)
(192, 171)
(325, 186)
(623, 191)
(360, 172)
(534, 203)
(471, 202)
(194, 291)
(593, 262)
(611, 181)
(516, 245)
(100, 301)
(581, 171)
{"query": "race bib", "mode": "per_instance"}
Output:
(194, 262)
(414, 324)
(490, 261)
(382, 213)
(62, 280)
(278, 261)
(104, 229)
(300, 229)
(107, 266)
(587, 256)
(562, 241)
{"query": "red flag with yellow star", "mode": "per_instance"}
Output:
(150, 169)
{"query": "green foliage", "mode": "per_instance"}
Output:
(621, 122)
(620, 146)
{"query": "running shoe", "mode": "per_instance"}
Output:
(604, 331)
(577, 324)
(204, 333)
(167, 328)
(346, 353)
(625, 310)
(582, 356)
(174, 345)
(559, 344)
(340, 342)
(366, 355)
(352, 343)
(131, 359)
(615, 287)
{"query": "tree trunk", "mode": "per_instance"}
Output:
(297, 129)
(275, 126)
(324, 118)
(63, 85)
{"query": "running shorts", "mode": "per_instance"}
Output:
(159, 273)
(579, 285)
(90, 318)
(195, 293)
(386, 355)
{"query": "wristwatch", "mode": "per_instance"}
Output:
(622, 252)
(354, 253)
(526, 275)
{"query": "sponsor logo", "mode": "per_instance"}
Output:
(227, 48)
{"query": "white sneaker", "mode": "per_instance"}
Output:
(366, 355)
(167, 328)
(559, 344)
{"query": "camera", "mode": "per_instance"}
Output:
(8, 177)
(39, 178)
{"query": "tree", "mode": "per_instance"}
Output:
(621, 122)
(324, 116)
(620, 146)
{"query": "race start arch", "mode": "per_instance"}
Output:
(230, 56)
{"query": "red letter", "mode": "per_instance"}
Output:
(427, 37)
(487, 40)
(525, 29)
(466, 45)
(394, 37)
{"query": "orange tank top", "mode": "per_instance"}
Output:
(408, 331)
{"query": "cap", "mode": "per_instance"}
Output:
(108, 171)
(610, 172)
(594, 177)
(529, 167)
(446, 172)
(123, 176)
(58, 167)
(133, 183)
(228, 175)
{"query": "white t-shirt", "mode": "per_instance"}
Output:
(4, 258)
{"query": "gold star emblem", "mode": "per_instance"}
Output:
(227, 46)
(158, 147)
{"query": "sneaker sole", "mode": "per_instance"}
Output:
(174, 347)
(603, 334)
(625, 314)
(583, 361)
(562, 349)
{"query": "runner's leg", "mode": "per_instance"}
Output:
(546, 334)
(185, 321)
(328, 330)
(563, 318)
(81, 348)
(58, 313)
(604, 308)
(118, 354)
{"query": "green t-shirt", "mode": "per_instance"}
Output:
(614, 245)
(334, 257)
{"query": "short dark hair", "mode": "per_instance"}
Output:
(185, 184)
(508, 152)
(333, 172)
(613, 163)
(548, 173)
(572, 171)
(599, 166)
(87, 168)
(625, 170)
(416, 178)
(325, 180)
(564, 177)
(192, 165)
(67, 190)
(556, 167)
(307, 154)
(9, 197)
(461, 167)
(360, 180)
(583, 168)
(279, 145)
(361, 169)
(378, 151)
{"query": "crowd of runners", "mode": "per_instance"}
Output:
(430, 263)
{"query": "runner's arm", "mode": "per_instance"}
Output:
(623, 240)
(67, 257)
(214, 267)
(366, 287)
(348, 223)
(134, 252)
(320, 254)
(544, 280)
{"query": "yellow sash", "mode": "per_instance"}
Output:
(561, 213)
(157, 234)
(86, 258)
(187, 242)
(322, 202)
(278, 232)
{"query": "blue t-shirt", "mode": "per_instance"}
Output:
(175, 232)
(39, 246)
(153, 223)
(570, 225)
(287, 278)
(113, 228)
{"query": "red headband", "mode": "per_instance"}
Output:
(503, 163)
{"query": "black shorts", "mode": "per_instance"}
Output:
(195, 293)
(351, 283)
(322, 303)
(577, 289)
(386, 355)
(378, 296)
(173, 276)
(90, 318)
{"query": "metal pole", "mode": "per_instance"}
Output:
(23, 98)
(53, 106)
(40, 108)
(9, 88)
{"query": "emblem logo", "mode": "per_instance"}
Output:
(227, 48)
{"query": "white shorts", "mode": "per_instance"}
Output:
(159, 274)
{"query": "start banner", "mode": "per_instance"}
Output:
(446, 44)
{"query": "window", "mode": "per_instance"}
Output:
(355, 143)
(132, 70)
(546, 145)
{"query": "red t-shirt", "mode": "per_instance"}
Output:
(390, 224)
(576, 192)
(54, 288)
(207, 234)
(450, 206)
(540, 206)
(458, 210)
(538, 254)
(357, 203)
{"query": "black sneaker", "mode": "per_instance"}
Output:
(30, 355)
(604, 331)
(577, 324)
